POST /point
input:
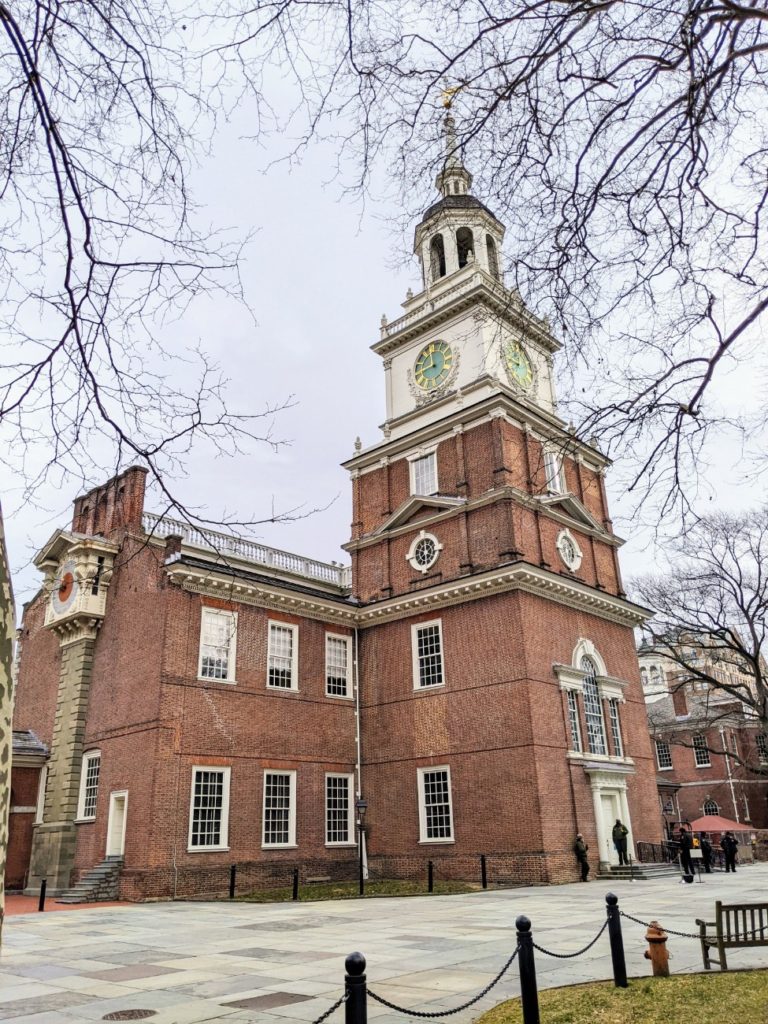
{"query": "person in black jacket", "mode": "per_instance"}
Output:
(686, 845)
(619, 836)
(580, 849)
(729, 844)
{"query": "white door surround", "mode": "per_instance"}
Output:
(118, 813)
(609, 797)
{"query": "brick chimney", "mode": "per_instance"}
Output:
(680, 701)
(115, 504)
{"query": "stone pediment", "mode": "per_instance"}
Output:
(418, 507)
(569, 505)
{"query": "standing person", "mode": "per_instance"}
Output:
(729, 844)
(686, 845)
(620, 833)
(706, 853)
(580, 849)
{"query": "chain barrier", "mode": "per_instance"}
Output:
(568, 956)
(456, 1009)
(333, 1009)
(669, 931)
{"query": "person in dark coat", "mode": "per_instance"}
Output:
(706, 853)
(729, 844)
(580, 849)
(686, 845)
(619, 834)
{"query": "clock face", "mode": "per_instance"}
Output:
(65, 588)
(433, 365)
(518, 365)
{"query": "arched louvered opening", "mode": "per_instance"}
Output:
(493, 257)
(465, 246)
(437, 257)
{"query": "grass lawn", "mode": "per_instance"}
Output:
(350, 890)
(694, 998)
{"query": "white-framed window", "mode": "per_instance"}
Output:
(89, 785)
(655, 675)
(569, 549)
(338, 665)
(734, 745)
(424, 551)
(279, 817)
(613, 712)
(209, 809)
(424, 474)
(663, 755)
(644, 677)
(593, 709)
(435, 812)
(282, 656)
(427, 647)
(573, 720)
(553, 470)
(339, 810)
(700, 751)
(40, 803)
(761, 743)
(218, 645)
(710, 807)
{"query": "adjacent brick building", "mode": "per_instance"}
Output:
(472, 675)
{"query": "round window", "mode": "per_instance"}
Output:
(570, 552)
(425, 552)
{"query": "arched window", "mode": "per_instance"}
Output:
(644, 676)
(710, 807)
(437, 257)
(465, 245)
(593, 711)
(493, 259)
(654, 675)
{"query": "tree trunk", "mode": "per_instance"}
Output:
(7, 629)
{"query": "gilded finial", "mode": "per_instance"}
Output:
(448, 95)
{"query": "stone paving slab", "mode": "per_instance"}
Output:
(199, 962)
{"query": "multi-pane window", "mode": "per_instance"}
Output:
(663, 754)
(337, 663)
(279, 809)
(553, 468)
(734, 745)
(218, 639)
(710, 807)
(281, 656)
(209, 809)
(435, 805)
(89, 785)
(424, 474)
(427, 655)
(593, 711)
(761, 742)
(573, 720)
(700, 751)
(339, 826)
(618, 747)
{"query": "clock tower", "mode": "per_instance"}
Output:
(496, 642)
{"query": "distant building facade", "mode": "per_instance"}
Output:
(472, 676)
(706, 744)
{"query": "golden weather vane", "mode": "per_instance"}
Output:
(448, 95)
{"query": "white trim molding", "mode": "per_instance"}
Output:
(420, 773)
(223, 843)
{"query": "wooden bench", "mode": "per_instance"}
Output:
(737, 926)
(318, 879)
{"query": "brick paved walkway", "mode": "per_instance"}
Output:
(284, 963)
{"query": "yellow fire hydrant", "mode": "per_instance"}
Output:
(657, 953)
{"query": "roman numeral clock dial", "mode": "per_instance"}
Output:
(433, 365)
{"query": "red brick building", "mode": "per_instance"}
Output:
(712, 757)
(472, 676)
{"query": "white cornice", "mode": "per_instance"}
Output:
(520, 576)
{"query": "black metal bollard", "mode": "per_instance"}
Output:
(295, 884)
(430, 876)
(41, 901)
(356, 1006)
(483, 872)
(617, 941)
(529, 995)
(232, 876)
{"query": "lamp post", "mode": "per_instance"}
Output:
(361, 806)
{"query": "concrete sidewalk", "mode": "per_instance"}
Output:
(284, 963)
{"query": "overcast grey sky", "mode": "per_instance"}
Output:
(320, 272)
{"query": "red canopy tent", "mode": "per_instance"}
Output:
(715, 823)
